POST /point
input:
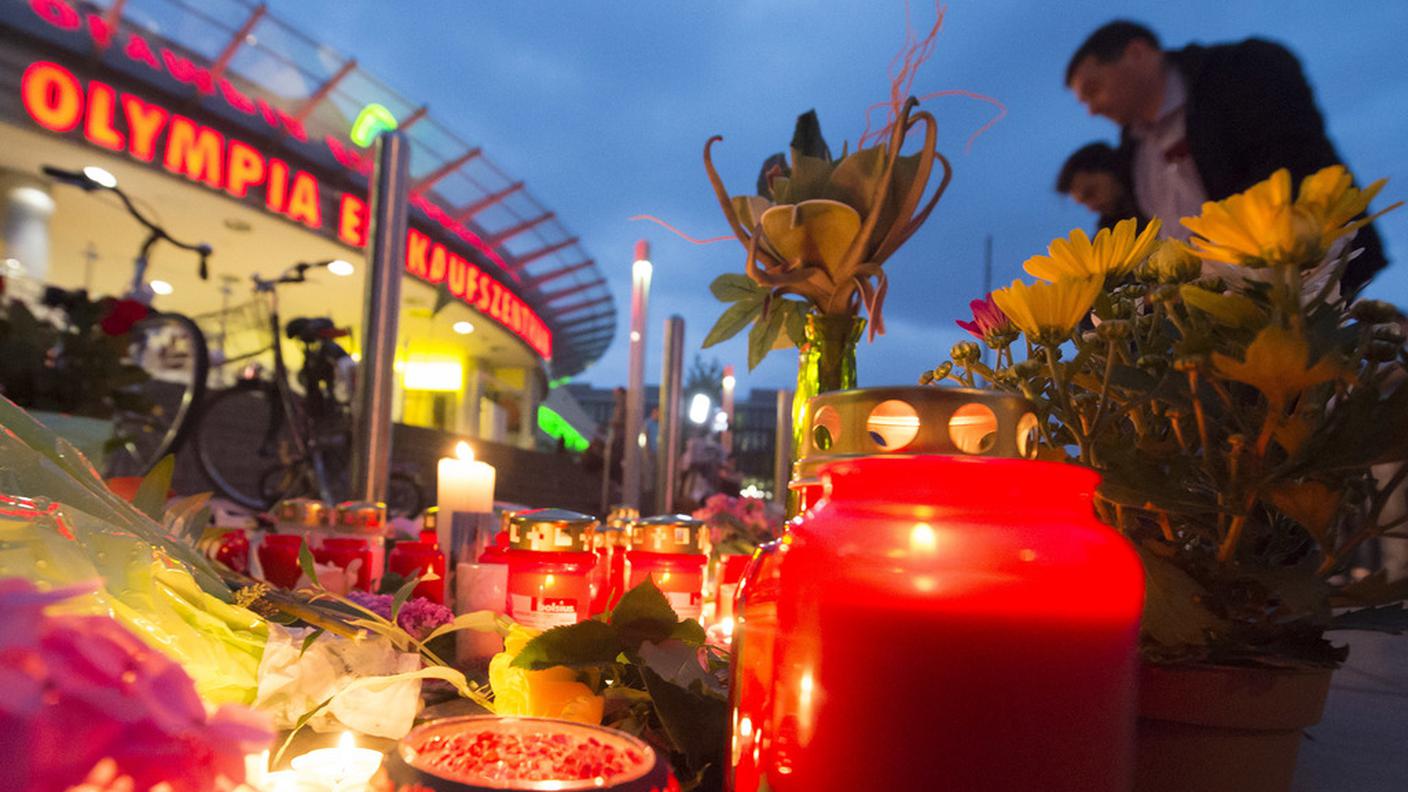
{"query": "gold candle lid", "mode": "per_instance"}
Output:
(551, 530)
(363, 517)
(430, 519)
(303, 512)
(914, 420)
(669, 533)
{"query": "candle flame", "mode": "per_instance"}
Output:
(463, 451)
(922, 538)
(346, 741)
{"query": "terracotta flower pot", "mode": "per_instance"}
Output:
(1222, 729)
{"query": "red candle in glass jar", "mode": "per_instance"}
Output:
(278, 557)
(550, 564)
(731, 568)
(341, 551)
(666, 548)
(940, 622)
(412, 559)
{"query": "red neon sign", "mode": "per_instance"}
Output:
(58, 102)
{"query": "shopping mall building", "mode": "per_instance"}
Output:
(236, 130)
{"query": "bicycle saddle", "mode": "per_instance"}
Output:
(313, 329)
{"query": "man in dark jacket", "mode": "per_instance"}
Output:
(1202, 123)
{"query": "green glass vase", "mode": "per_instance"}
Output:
(826, 362)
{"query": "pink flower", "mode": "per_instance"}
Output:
(81, 689)
(988, 320)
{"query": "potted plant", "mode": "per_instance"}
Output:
(1249, 425)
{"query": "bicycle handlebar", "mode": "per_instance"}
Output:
(155, 232)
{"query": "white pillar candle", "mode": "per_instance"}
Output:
(464, 483)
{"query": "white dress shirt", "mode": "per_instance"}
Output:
(1166, 181)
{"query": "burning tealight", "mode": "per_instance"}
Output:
(344, 767)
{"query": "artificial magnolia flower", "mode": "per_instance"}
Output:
(990, 325)
(1112, 253)
(550, 693)
(1048, 312)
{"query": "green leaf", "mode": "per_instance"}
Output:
(189, 517)
(402, 594)
(587, 643)
(1173, 611)
(795, 321)
(308, 640)
(689, 631)
(763, 335)
(734, 319)
(1226, 308)
(151, 495)
(305, 560)
(643, 614)
(696, 724)
(732, 287)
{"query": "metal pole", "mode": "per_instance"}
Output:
(671, 385)
(728, 383)
(635, 384)
(782, 448)
(386, 260)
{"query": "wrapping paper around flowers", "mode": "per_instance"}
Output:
(360, 677)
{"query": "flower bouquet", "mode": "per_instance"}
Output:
(1247, 422)
(1248, 426)
(737, 525)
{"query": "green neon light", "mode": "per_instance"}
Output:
(372, 121)
(557, 427)
(559, 382)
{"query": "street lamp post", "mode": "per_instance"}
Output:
(728, 383)
(635, 384)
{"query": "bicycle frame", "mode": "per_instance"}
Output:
(288, 408)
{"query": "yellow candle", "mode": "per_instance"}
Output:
(464, 484)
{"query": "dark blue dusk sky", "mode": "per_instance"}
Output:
(603, 107)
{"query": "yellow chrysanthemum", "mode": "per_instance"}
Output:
(1332, 201)
(1048, 312)
(1278, 363)
(1256, 227)
(1263, 226)
(1111, 253)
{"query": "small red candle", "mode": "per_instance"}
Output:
(278, 557)
(550, 564)
(412, 559)
(341, 551)
(666, 548)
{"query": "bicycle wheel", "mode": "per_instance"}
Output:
(242, 436)
(154, 417)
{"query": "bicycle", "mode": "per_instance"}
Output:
(167, 345)
(262, 441)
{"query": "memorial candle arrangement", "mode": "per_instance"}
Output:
(953, 620)
(550, 564)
